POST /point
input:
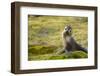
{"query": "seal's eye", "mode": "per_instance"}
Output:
(65, 28)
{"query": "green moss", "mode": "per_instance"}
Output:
(78, 54)
(53, 56)
(47, 57)
(41, 49)
(57, 57)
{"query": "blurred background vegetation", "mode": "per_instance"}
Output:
(45, 36)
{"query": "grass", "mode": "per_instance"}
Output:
(45, 36)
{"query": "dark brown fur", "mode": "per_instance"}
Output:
(69, 43)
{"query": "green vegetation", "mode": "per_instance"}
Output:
(45, 36)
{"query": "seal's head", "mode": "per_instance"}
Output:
(68, 30)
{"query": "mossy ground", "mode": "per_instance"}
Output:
(45, 39)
